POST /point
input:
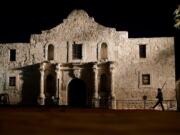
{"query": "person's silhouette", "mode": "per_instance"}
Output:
(160, 99)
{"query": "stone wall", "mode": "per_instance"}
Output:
(9, 69)
(159, 64)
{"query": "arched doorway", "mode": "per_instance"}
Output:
(50, 89)
(77, 93)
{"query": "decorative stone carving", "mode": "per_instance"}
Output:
(77, 73)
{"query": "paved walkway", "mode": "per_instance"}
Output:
(65, 121)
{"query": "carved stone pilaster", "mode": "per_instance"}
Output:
(112, 96)
(96, 94)
(58, 83)
(41, 99)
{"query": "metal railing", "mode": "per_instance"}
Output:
(145, 104)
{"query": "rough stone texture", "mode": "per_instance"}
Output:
(122, 51)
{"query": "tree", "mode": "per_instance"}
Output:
(177, 17)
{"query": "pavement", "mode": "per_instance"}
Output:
(78, 121)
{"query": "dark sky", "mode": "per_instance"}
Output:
(142, 18)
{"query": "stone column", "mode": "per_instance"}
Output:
(41, 100)
(95, 95)
(112, 96)
(58, 84)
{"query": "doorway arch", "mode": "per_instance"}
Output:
(77, 93)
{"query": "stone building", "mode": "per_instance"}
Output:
(84, 64)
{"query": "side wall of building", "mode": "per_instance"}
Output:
(159, 64)
(13, 69)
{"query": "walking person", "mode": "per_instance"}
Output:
(160, 99)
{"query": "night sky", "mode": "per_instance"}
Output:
(141, 18)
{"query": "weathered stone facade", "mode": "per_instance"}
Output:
(105, 61)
